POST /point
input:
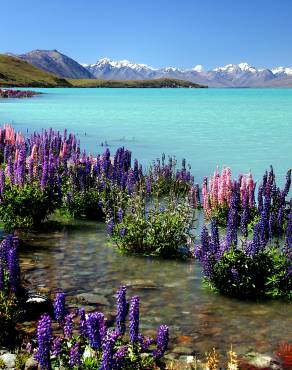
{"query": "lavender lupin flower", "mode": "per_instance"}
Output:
(82, 322)
(93, 330)
(108, 351)
(162, 342)
(122, 310)
(75, 359)
(44, 334)
(2, 182)
(68, 326)
(59, 308)
(119, 356)
(57, 346)
(214, 235)
(2, 284)
(13, 269)
(134, 319)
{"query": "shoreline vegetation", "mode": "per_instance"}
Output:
(15, 72)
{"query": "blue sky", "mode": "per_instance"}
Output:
(157, 32)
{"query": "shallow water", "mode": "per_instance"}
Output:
(78, 259)
(242, 128)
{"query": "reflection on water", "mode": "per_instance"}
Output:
(78, 259)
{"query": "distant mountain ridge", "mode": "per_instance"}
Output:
(230, 75)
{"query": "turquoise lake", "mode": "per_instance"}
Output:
(241, 128)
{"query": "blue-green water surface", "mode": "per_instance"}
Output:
(242, 128)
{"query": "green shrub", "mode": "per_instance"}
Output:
(263, 275)
(160, 228)
(26, 207)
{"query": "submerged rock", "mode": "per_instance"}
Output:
(91, 298)
(36, 305)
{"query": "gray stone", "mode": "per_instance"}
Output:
(9, 360)
(31, 364)
(262, 361)
(183, 350)
(91, 298)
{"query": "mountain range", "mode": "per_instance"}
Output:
(231, 75)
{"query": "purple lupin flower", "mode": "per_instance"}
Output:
(59, 308)
(74, 359)
(232, 220)
(280, 220)
(93, 330)
(110, 227)
(68, 326)
(119, 356)
(134, 319)
(145, 342)
(44, 335)
(214, 235)
(122, 310)
(108, 351)
(82, 322)
(289, 231)
(13, 269)
(57, 346)
(244, 221)
(162, 342)
(120, 215)
(254, 246)
(123, 232)
(287, 184)
(2, 182)
(205, 240)
(2, 283)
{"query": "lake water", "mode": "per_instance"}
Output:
(242, 128)
(78, 259)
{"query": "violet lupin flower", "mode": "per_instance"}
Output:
(74, 358)
(120, 215)
(57, 346)
(205, 240)
(59, 308)
(68, 326)
(110, 227)
(287, 184)
(2, 283)
(162, 342)
(82, 322)
(244, 221)
(145, 342)
(93, 330)
(119, 356)
(44, 335)
(108, 351)
(280, 219)
(214, 235)
(122, 310)
(134, 319)
(289, 231)
(2, 182)
(13, 269)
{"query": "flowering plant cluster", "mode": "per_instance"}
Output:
(9, 93)
(48, 171)
(9, 286)
(223, 193)
(249, 268)
(159, 226)
(88, 343)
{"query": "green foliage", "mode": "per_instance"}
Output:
(2, 364)
(21, 358)
(263, 275)
(25, 207)
(160, 228)
(8, 317)
(86, 204)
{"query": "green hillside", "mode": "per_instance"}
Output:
(154, 83)
(16, 72)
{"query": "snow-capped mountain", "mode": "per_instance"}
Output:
(230, 75)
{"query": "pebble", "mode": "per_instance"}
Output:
(183, 350)
(9, 360)
(31, 364)
(91, 298)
